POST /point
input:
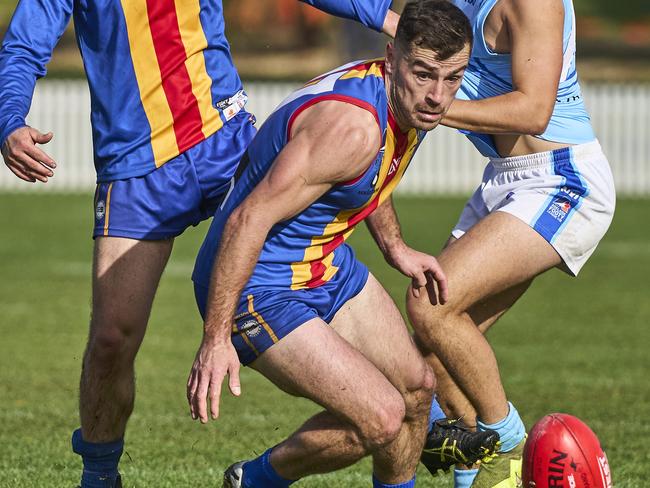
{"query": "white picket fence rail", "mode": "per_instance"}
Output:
(446, 163)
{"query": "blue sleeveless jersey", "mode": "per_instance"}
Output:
(489, 74)
(307, 250)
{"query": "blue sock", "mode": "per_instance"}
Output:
(511, 429)
(463, 478)
(99, 459)
(435, 413)
(259, 472)
(407, 484)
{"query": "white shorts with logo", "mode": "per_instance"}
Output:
(566, 195)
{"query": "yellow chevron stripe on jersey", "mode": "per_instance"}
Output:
(374, 70)
(336, 232)
(303, 272)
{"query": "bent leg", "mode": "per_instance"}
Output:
(364, 410)
(497, 254)
(372, 323)
(484, 314)
(371, 379)
(126, 273)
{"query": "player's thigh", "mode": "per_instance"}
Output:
(497, 254)
(372, 323)
(485, 313)
(315, 362)
(126, 273)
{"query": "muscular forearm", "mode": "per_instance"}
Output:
(512, 113)
(241, 244)
(385, 229)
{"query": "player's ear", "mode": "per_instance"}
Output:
(390, 58)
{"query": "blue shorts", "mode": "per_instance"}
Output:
(265, 317)
(182, 192)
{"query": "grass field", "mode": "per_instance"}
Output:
(577, 346)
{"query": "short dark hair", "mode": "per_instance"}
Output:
(433, 24)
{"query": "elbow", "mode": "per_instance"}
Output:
(537, 127)
(245, 218)
(238, 219)
(537, 120)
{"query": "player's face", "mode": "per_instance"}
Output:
(421, 87)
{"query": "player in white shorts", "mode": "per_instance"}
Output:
(566, 195)
(546, 199)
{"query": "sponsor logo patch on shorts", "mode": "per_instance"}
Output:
(251, 328)
(559, 209)
(100, 210)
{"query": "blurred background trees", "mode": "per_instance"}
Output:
(285, 39)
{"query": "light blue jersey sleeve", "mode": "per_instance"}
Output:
(370, 13)
(27, 47)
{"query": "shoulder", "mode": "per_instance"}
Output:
(350, 127)
(338, 139)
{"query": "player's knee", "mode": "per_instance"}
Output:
(428, 381)
(417, 399)
(117, 326)
(421, 311)
(384, 423)
(106, 345)
(430, 322)
(111, 342)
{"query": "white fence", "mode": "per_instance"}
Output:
(445, 164)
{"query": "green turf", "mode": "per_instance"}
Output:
(578, 346)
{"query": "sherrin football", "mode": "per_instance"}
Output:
(562, 452)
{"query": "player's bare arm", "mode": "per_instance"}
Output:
(331, 142)
(386, 230)
(535, 43)
(390, 23)
(422, 268)
(24, 158)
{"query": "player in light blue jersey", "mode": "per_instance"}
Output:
(546, 200)
(281, 291)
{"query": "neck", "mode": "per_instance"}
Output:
(393, 106)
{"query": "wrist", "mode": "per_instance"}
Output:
(394, 249)
(215, 333)
(10, 126)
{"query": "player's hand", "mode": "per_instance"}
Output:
(214, 360)
(24, 158)
(424, 270)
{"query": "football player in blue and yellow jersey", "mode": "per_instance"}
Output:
(280, 289)
(169, 128)
(546, 200)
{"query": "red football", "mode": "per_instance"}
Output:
(562, 452)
